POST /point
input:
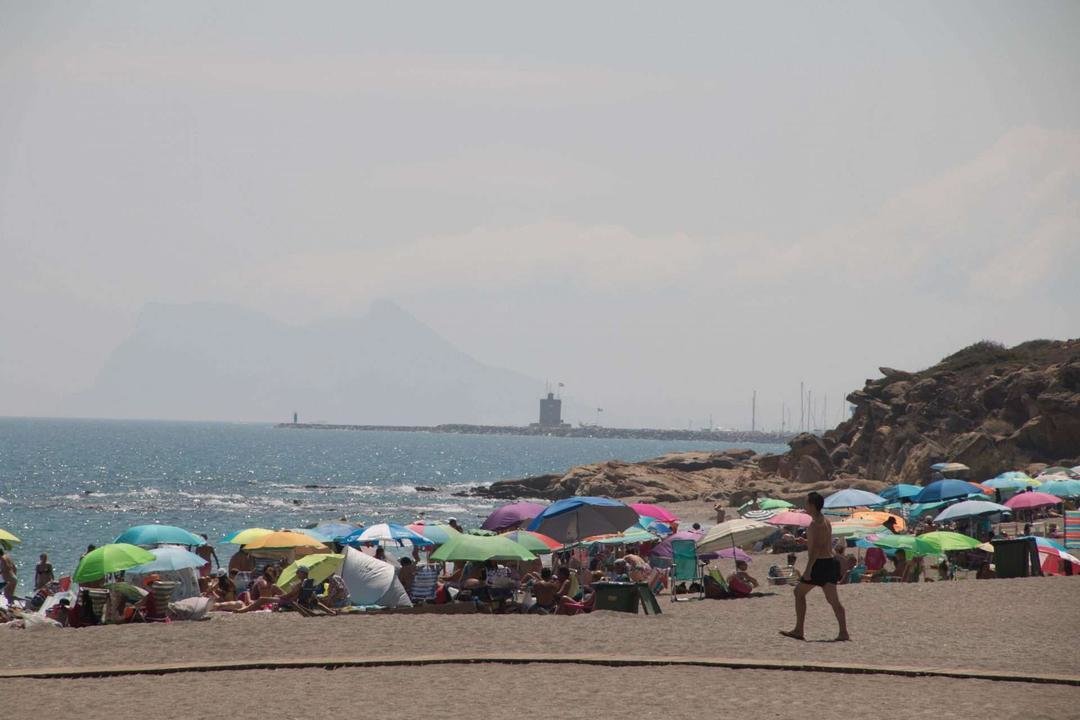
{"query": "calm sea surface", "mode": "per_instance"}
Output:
(67, 483)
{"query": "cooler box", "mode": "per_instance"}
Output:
(618, 596)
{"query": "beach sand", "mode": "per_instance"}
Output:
(1024, 624)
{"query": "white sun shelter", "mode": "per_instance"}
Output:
(371, 581)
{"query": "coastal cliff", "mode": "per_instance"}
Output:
(989, 407)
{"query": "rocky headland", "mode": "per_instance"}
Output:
(989, 407)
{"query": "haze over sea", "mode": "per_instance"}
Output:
(67, 483)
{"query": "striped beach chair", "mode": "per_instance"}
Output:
(424, 583)
(1072, 529)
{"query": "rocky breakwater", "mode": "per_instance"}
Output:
(989, 407)
(731, 476)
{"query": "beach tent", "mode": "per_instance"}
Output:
(371, 581)
(509, 517)
(572, 519)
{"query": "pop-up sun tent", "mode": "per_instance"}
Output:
(371, 581)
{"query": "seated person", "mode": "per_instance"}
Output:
(337, 594)
(900, 565)
(621, 571)
(407, 574)
(546, 592)
(741, 582)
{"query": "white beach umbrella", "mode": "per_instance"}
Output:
(739, 531)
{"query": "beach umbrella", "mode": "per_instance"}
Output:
(768, 503)
(654, 511)
(1061, 488)
(480, 531)
(663, 548)
(478, 548)
(1010, 483)
(283, 540)
(895, 542)
(900, 491)
(312, 533)
(654, 526)
(857, 528)
(386, 534)
(628, 537)
(534, 542)
(1059, 470)
(243, 537)
(334, 529)
(945, 490)
(851, 497)
(511, 516)
(969, 509)
(761, 515)
(732, 533)
(108, 559)
(950, 468)
(437, 532)
(733, 554)
(158, 535)
(7, 537)
(798, 518)
(1027, 500)
(169, 559)
(574, 518)
(940, 542)
(879, 517)
(320, 566)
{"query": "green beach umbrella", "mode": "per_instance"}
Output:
(481, 532)
(940, 542)
(320, 566)
(479, 548)
(898, 542)
(629, 537)
(109, 559)
(765, 504)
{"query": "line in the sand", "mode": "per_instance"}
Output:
(610, 661)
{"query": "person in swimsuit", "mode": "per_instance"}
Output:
(822, 570)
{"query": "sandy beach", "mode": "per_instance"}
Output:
(1024, 625)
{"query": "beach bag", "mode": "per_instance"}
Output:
(740, 586)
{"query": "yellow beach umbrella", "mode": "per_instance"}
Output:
(320, 566)
(284, 540)
(5, 536)
(243, 537)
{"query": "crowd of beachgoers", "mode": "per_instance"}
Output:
(554, 559)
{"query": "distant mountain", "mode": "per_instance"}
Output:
(220, 362)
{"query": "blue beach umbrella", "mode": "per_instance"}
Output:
(654, 526)
(1061, 488)
(385, 534)
(947, 489)
(576, 518)
(853, 498)
(158, 535)
(1011, 481)
(969, 509)
(312, 533)
(335, 529)
(167, 559)
(900, 491)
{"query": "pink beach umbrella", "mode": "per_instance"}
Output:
(511, 516)
(1031, 500)
(654, 511)
(798, 518)
(663, 548)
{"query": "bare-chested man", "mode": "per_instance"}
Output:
(822, 570)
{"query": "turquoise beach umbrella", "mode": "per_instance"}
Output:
(158, 535)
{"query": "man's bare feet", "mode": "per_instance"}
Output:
(792, 634)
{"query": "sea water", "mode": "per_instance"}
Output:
(67, 483)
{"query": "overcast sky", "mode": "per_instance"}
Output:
(663, 206)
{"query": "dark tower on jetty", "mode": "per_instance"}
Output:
(550, 411)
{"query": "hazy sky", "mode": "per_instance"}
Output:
(663, 206)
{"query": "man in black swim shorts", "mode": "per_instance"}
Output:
(823, 570)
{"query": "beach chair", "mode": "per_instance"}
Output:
(685, 568)
(163, 592)
(424, 584)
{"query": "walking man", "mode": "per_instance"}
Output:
(822, 570)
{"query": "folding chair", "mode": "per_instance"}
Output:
(685, 567)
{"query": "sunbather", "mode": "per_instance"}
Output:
(741, 582)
